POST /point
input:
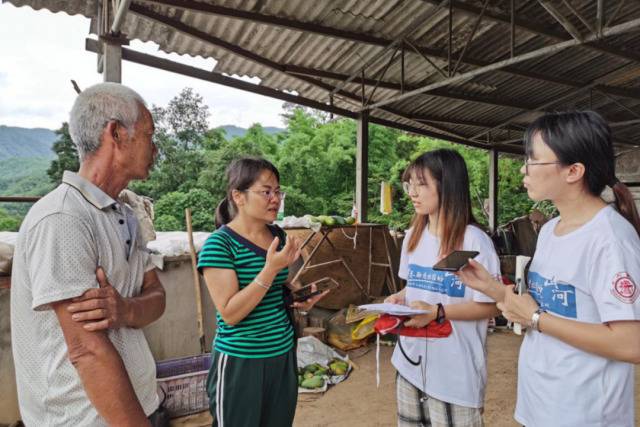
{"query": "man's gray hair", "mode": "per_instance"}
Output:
(95, 107)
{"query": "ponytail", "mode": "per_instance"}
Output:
(224, 213)
(625, 204)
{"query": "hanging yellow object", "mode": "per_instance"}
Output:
(385, 198)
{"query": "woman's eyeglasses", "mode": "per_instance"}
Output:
(269, 194)
(410, 188)
(528, 163)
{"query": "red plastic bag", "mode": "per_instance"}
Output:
(388, 324)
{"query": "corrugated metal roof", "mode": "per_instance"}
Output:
(459, 111)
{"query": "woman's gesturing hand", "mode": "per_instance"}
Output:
(277, 260)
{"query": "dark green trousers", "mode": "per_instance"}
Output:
(253, 392)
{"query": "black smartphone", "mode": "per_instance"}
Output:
(306, 292)
(455, 260)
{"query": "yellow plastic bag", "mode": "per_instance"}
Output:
(365, 327)
(386, 206)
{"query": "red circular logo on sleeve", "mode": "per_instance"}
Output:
(624, 288)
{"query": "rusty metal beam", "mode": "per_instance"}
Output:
(430, 118)
(548, 50)
(213, 77)
(472, 34)
(216, 41)
(425, 52)
(630, 93)
(568, 94)
(582, 19)
(561, 19)
(444, 93)
(542, 30)
(419, 21)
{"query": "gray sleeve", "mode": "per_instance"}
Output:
(62, 259)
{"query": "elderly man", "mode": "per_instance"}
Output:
(83, 286)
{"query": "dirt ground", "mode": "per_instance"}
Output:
(356, 402)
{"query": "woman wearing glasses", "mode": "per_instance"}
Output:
(582, 310)
(441, 382)
(253, 379)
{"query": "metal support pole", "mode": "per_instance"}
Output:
(112, 69)
(402, 68)
(331, 105)
(450, 42)
(600, 17)
(493, 189)
(121, 10)
(363, 95)
(362, 166)
(513, 28)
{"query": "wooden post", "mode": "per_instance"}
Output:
(493, 189)
(362, 166)
(196, 281)
(112, 68)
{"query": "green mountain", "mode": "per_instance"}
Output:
(232, 131)
(25, 143)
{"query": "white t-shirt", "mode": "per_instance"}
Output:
(455, 370)
(589, 275)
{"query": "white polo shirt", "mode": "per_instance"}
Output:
(63, 239)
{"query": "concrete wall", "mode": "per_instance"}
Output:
(174, 335)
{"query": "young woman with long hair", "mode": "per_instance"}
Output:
(441, 381)
(582, 310)
(253, 377)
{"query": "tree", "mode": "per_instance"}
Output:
(66, 155)
(289, 109)
(170, 210)
(185, 119)
(181, 137)
(212, 177)
(266, 143)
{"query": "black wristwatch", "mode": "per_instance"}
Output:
(440, 316)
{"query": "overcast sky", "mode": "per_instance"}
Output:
(40, 52)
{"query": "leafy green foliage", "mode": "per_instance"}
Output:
(9, 222)
(66, 155)
(170, 210)
(181, 137)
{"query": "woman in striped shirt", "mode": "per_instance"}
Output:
(252, 381)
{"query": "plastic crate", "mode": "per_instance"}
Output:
(182, 384)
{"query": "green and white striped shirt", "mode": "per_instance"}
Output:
(267, 330)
